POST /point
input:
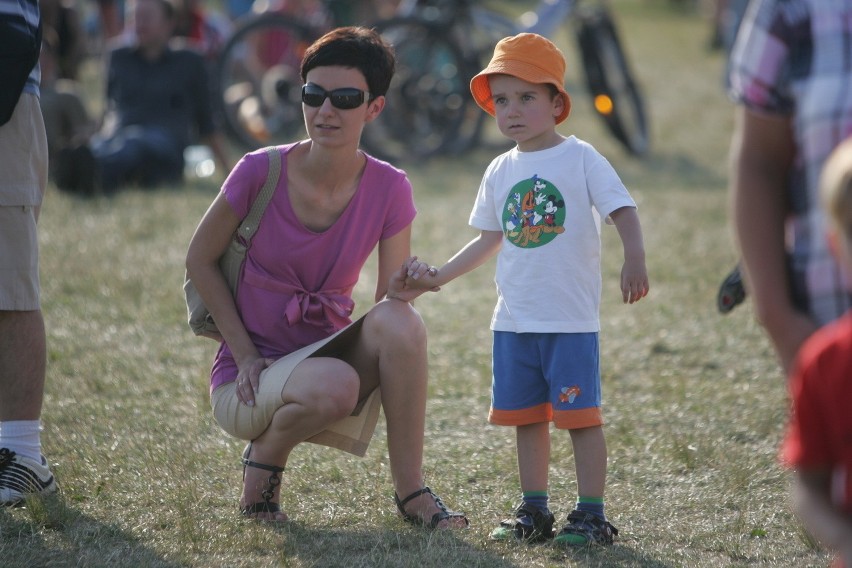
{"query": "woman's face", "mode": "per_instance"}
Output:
(327, 124)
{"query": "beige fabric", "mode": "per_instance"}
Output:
(23, 155)
(352, 434)
(23, 178)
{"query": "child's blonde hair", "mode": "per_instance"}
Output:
(836, 188)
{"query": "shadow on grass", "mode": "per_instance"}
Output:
(47, 532)
(610, 556)
(407, 547)
(334, 548)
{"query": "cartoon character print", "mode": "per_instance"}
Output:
(551, 206)
(569, 394)
(534, 213)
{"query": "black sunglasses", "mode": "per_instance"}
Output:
(344, 99)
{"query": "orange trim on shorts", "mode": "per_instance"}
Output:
(533, 415)
(580, 418)
(562, 419)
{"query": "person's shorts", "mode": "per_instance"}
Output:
(23, 178)
(352, 434)
(544, 377)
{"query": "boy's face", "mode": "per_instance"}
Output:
(526, 112)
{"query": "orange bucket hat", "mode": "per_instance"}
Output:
(526, 56)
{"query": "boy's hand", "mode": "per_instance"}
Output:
(634, 281)
(411, 280)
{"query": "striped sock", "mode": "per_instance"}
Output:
(536, 499)
(593, 505)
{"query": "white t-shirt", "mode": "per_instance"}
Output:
(548, 205)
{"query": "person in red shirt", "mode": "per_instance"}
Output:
(818, 444)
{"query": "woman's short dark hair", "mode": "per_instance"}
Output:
(357, 47)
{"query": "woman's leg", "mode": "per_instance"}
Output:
(319, 392)
(392, 350)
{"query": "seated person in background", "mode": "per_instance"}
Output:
(66, 121)
(63, 16)
(158, 102)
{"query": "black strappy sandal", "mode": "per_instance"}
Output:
(441, 515)
(265, 506)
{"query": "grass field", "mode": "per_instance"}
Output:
(695, 402)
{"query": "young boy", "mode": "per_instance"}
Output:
(819, 440)
(539, 206)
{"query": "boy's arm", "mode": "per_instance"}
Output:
(634, 275)
(474, 253)
(823, 520)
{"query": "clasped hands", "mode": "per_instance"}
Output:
(412, 279)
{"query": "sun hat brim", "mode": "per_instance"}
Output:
(529, 57)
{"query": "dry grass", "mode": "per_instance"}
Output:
(694, 401)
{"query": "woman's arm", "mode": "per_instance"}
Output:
(393, 252)
(212, 237)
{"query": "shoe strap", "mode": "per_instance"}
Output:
(273, 468)
(401, 503)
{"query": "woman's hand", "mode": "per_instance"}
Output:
(411, 279)
(248, 377)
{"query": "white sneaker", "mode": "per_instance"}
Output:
(21, 476)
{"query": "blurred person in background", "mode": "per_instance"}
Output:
(818, 444)
(791, 68)
(66, 121)
(69, 45)
(158, 102)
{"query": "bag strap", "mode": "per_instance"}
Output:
(249, 225)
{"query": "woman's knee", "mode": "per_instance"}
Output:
(396, 322)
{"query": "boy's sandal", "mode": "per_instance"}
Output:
(436, 519)
(584, 529)
(530, 523)
(265, 506)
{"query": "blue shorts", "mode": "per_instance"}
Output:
(544, 377)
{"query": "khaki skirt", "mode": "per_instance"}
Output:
(352, 434)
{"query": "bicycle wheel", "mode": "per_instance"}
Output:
(429, 109)
(616, 97)
(258, 87)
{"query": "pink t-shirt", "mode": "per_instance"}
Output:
(297, 284)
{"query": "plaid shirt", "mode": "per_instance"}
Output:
(794, 58)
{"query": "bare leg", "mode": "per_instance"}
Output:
(590, 458)
(22, 365)
(320, 391)
(392, 347)
(533, 442)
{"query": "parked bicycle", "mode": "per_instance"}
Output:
(441, 44)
